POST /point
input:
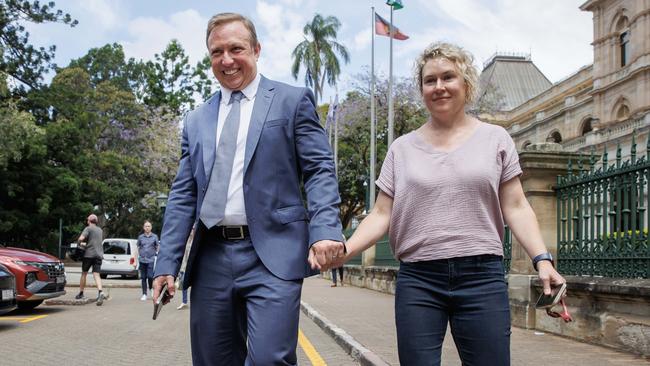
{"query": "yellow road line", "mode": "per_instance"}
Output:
(310, 351)
(33, 318)
(22, 319)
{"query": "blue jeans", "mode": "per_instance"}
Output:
(469, 293)
(146, 276)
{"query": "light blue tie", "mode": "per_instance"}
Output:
(214, 202)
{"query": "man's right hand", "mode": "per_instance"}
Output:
(158, 284)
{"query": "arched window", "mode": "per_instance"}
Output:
(586, 126)
(624, 44)
(555, 136)
(525, 145)
(622, 28)
(623, 112)
(621, 109)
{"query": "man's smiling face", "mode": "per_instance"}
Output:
(234, 59)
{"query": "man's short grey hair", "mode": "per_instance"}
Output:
(225, 18)
(462, 59)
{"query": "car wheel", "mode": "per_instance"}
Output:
(103, 276)
(29, 305)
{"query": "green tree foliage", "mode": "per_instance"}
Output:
(97, 148)
(21, 60)
(16, 128)
(317, 54)
(172, 82)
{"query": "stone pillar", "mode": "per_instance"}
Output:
(368, 255)
(541, 164)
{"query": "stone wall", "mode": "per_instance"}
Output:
(608, 312)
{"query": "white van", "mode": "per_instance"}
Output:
(120, 258)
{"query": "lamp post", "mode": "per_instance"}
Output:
(161, 202)
(367, 191)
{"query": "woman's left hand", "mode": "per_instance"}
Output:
(549, 276)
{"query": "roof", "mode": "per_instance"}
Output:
(508, 80)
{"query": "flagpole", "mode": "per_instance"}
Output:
(390, 82)
(336, 135)
(373, 120)
(328, 123)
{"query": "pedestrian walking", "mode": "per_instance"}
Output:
(340, 271)
(91, 239)
(148, 244)
(446, 191)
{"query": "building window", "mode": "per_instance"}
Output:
(586, 127)
(622, 113)
(525, 145)
(554, 137)
(625, 47)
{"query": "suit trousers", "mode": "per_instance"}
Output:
(469, 293)
(241, 313)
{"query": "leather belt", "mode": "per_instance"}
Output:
(234, 232)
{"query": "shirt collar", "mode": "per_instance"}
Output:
(249, 91)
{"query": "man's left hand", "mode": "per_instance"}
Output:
(323, 253)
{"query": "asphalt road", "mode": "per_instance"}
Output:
(121, 332)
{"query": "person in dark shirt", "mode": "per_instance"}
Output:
(147, 248)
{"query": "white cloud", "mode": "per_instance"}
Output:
(280, 29)
(556, 33)
(149, 36)
(361, 40)
(104, 14)
(292, 3)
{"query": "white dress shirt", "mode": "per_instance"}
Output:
(235, 212)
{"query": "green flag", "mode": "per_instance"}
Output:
(396, 4)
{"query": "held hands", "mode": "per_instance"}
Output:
(549, 276)
(324, 253)
(158, 284)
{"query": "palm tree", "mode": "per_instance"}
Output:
(317, 54)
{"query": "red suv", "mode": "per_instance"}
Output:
(39, 276)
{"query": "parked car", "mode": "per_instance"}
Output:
(39, 276)
(7, 290)
(120, 258)
(74, 251)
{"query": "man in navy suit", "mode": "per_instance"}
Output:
(247, 155)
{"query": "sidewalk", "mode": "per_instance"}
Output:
(362, 322)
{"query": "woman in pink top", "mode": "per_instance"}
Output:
(446, 190)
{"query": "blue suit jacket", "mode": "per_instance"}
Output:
(286, 147)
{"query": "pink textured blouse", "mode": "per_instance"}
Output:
(446, 204)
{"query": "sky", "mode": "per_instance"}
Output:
(556, 33)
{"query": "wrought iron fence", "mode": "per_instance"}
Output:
(603, 217)
(507, 248)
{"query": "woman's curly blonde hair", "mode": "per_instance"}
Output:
(463, 60)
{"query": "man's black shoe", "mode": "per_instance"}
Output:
(79, 296)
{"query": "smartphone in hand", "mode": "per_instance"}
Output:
(163, 298)
(548, 301)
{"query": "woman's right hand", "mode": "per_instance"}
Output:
(549, 276)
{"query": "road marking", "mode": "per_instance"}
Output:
(310, 351)
(22, 319)
(27, 320)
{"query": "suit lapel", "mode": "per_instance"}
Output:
(261, 108)
(209, 132)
